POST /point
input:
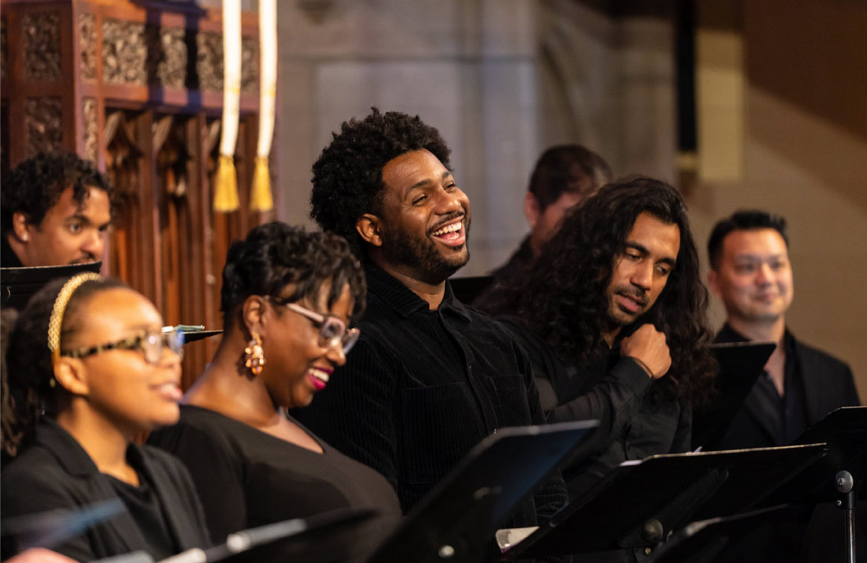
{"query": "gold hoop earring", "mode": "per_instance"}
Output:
(255, 356)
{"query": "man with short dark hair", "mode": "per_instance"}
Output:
(56, 209)
(564, 176)
(751, 273)
(429, 377)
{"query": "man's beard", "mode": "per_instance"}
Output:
(618, 318)
(402, 248)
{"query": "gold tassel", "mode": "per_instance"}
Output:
(260, 195)
(226, 191)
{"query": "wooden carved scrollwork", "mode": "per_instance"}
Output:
(87, 45)
(209, 64)
(3, 51)
(43, 125)
(124, 52)
(41, 33)
(249, 65)
(91, 143)
(170, 54)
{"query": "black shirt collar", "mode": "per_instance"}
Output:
(65, 448)
(403, 300)
(71, 455)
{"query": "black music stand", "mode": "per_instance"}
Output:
(740, 365)
(841, 475)
(460, 514)
(19, 284)
(662, 493)
(48, 529)
(703, 541)
(195, 335)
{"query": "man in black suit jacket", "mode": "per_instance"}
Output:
(751, 273)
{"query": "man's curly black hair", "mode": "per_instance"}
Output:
(35, 185)
(347, 177)
(562, 295)
(275, 255)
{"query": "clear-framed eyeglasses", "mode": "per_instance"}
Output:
(332, 330)
(151, 344)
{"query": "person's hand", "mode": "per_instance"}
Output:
(40, 555)
(647, 346)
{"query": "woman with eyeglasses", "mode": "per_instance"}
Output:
(288, 298)
(88, 367)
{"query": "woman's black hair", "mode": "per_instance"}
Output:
(28, 367)
(275, 255)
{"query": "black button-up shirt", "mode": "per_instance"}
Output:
(784, 417)
(422, 387)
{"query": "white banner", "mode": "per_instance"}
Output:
(231, 75)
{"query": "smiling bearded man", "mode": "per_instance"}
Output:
(429, 377)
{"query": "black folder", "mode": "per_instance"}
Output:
(19, 284)
(740, 364)
(641, 502)
(461, 513)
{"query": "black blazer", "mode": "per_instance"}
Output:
(56, 473)
(828, 385)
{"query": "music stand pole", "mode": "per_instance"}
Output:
(845, 484)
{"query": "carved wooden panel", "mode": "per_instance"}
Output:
(87, 43)
(4, 142)
(124, 52)
(91, 143)
(170, 57)
(2, 48)
(116, 80)
(43, 124)
(41, 33)
(249, 64)
(209, 62)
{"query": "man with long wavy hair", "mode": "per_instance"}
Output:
(613, 313)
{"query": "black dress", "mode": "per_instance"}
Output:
(248, 478)
(55, 473)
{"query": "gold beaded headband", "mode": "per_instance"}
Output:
(59, 309)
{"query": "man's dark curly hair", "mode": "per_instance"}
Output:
(35, 185)
(275, 255)
(347, 178)
(562, 296)
(29, 364)
(743, 220)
